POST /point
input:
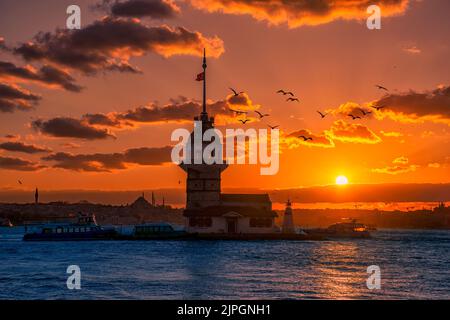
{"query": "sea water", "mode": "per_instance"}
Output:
(413, 265)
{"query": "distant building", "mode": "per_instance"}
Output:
(141, 204)
(210, 211)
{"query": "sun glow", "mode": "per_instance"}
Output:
(341, 180)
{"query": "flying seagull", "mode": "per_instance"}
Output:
(378, 107)
(244, 121)
(293, 99)
(323, 115)
(381, 87)
(365, 113)
(238, 111)
(273, 127)
(285, 92)
(235, 92)
(305, 138)
(261, 115)
(354, 117)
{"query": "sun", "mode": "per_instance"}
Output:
(341, 180)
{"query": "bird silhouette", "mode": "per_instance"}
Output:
(273, 127)
(305, 138)
(365, 113)
(238, 111)
(323, 115)
(235, 92)
(261, 115)
(354, 117)
(292, 99)
(286, 92)
(378, 108)
(381, 87)
(244, 121)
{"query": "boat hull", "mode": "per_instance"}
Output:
(74, 236)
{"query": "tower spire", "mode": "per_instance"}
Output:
(204, 114)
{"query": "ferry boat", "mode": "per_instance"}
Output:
(158, 230)
(86, 228)
(350, 229)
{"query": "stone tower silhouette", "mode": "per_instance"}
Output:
(203, 180)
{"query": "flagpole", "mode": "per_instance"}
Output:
(204, 81)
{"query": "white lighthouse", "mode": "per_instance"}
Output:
(288, 220)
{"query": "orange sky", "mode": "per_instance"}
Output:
(327, 57)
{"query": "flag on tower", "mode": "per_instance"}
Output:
(200, 77)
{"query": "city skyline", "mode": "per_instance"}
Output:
(105, 123)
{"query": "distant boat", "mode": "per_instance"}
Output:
(350, 229)
(4, 222)
(86, 228)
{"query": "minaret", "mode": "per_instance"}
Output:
(203, 180)
(36, 196)
(288, 221)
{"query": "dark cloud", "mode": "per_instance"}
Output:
(14, 98)
(181, 109)
(21, 147)
(108, 44)
(296, 13)
(11, 136)
(106, 162)
(156, 9)
(101, 119)
(47, 75)
(415, 106)
(70, 128)
(18, 164)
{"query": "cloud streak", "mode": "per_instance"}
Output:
(64, 127)
(7, 163)
(400, 165)
(296, 13)
(107, 162)
(352, 132)
(47, 75)
(13, 98)
(22, 147)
